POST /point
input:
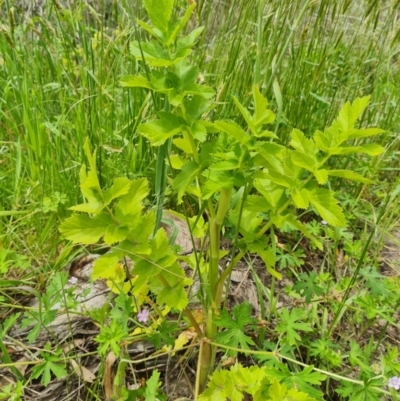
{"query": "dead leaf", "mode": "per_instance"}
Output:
(108, 381)
(230, 361)
(82, 372)
(21, 367)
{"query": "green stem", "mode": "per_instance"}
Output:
(207, 353)
(224, 276)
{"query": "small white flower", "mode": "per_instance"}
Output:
(324, 223)
(394, 382)
(72, 280)
(143, 316)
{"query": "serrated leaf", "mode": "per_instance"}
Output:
(265, 134)
(349, 113)
(225, 165)
(280, 179)
(370, 149)
(324, 140)
(300, 198)
(365, 132)
(152, 386)
(302, 380)
(87, 190)
(84, 229)
(233, 129)
(90, 181)
(120, 187)
(267, 256)
(327, 206)
(195, 107)
(189, 40)
(216, 387)
(293, 221)
(176, 161)
(350, 175)
(321, 176)
(272, 193)
(249, 223)
(183, 144)
(152, 53)
(174, 297)
(216, 180)
(115, 233)
(159, 12)
(255, 203)
(91, 157)
(246, 115)
(262, 115)
(303, 160)
(161, 257)
(127, 248)
(152, 31)
(106, 266)
(199, 131)
(135, 81)
(269, 155)
(184, 178)
(180, 24)
(131, 202)
(90, 207)
(301, 143)
(158, 131)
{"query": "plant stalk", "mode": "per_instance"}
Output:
(207, 352)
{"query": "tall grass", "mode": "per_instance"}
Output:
(59, 73)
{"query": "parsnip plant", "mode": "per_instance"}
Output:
(234, 171)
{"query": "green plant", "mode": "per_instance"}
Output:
(223, 170)
(260, 383)
(50, 366)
